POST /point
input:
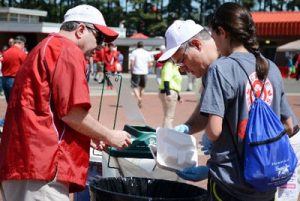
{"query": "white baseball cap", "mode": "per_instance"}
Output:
(178, 33)
(90, 14)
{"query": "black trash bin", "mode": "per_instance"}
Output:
(142, 189)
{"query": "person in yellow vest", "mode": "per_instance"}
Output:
(170, 87)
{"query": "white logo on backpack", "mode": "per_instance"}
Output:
(268, 92)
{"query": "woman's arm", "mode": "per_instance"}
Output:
(214, 127)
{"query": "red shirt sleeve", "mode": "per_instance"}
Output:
(23, 56)
(69, 82)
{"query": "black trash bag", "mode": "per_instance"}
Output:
(141, 189)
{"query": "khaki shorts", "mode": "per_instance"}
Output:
(29, 190)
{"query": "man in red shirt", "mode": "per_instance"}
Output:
(99, 64)
(109, 60)
(13, 58)
(44, 150)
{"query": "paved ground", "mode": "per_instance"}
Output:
(152, 109)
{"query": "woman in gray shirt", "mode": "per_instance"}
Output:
(228, 96)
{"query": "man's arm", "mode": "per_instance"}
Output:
(197, 122)
(81, 121)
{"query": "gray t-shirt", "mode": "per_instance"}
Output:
(227, 93)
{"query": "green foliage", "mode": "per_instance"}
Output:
(150, 17)
(157, 29)
(248, 4)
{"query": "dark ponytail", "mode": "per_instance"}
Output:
(237, 21)
(261, 66)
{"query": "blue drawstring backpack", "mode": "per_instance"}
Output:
(269, 159)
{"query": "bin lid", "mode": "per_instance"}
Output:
(138, 149)
(138, 131)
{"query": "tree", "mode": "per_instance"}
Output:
(150, 17)
(144, 17)
(248, 4)
(292, 5)
(184, 11)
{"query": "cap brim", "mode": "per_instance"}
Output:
(167, 54)
(110, 35)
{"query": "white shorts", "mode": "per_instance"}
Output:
(29, 190)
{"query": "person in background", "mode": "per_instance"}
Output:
(297, 65)
(11, 42)
(191, 81)
(44, 150)
(109, 60)
(117, 62)
(98, 65)
(5, 47)
(290, 66)
(140, 62)
(159, 65)
(90, 63)
(121, 61)
(227, 97)
(170, 88)
(13, 59)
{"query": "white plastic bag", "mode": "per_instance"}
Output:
(175, 150)
(290, 191)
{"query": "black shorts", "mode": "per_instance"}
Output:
(138, 81)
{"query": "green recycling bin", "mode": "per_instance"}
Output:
(142, 136)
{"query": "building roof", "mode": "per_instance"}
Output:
(139, 36)
(276, 24)
(22, 11)
(157, 41)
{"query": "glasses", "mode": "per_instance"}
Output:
(180, 62)
(98, 35)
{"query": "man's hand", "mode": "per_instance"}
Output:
(119, 139)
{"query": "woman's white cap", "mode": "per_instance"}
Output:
(178, 33)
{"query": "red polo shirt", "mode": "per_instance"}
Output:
(110, 58)
(36, 144)
(13, 58)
